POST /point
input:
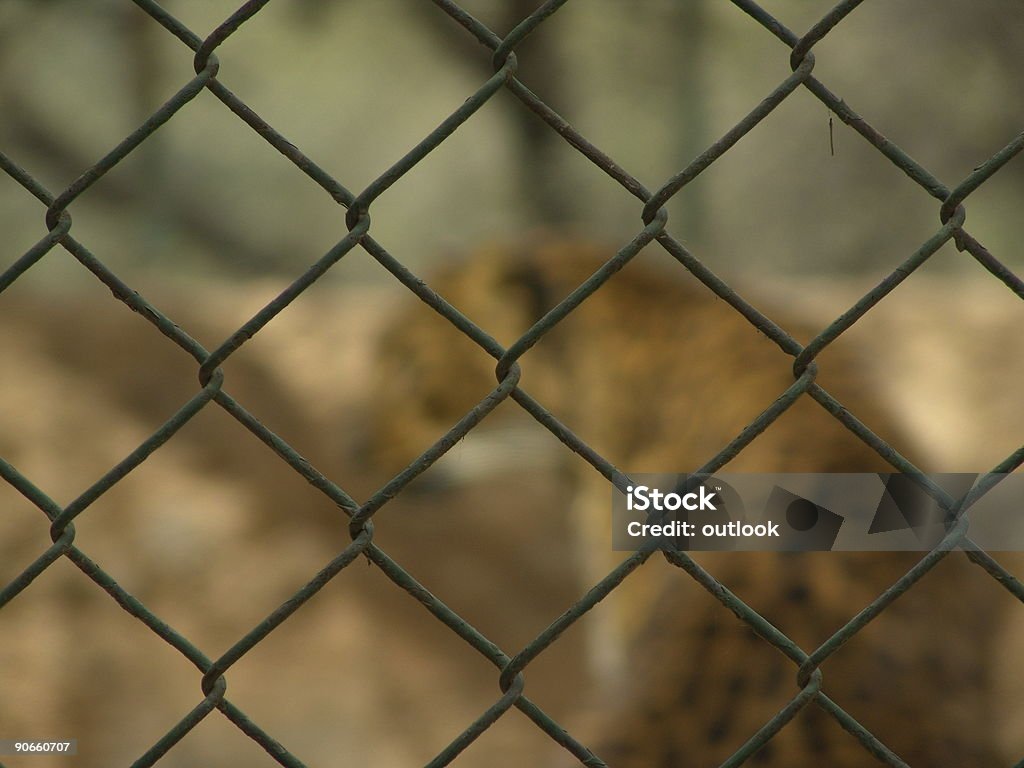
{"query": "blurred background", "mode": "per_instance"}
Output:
(801, 210)
(652, 83)
(209, 222)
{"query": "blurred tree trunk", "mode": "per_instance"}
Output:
(690, 113)
(542, 151)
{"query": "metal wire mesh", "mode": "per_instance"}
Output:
(654, 226)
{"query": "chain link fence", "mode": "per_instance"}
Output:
(653, 226)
